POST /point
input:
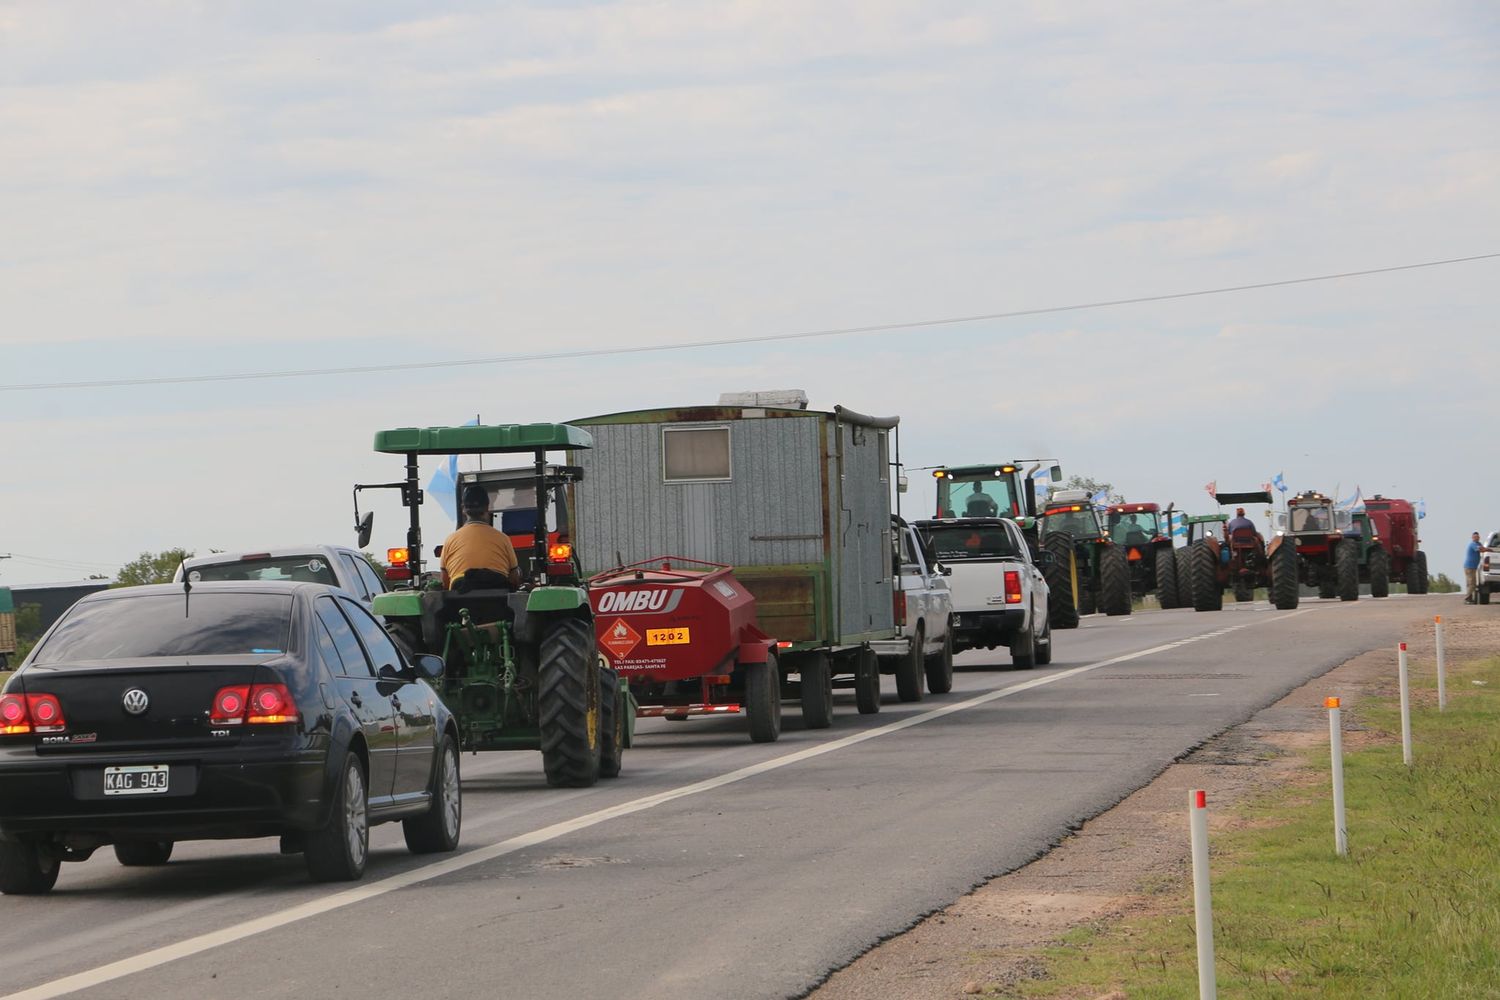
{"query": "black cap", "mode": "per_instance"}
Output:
(476, 497)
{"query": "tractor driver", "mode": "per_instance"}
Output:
(1239, 523)
(478, 546)
(980, 503)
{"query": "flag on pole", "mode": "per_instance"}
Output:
(1353, 501)
(1042, 483)
(1279, 482)
(1100, 499)
(1213, 488)
(1421, 508)
(443, 486)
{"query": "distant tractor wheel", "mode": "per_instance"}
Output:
(1060, 574)
(1380, 573)
(1328, 586)
(909, 670)
(867, 681)
(1115, 595)
(817, 691)
(1088, 600)
(763, 699)
(612, 722)
(1208, 595)
(1166, 578)
(1285, 593)
(940, 666)
(1346, 570)
(1023, 647)
(568, 705)
(1184, 569)
(1244, 590)
(143, 853)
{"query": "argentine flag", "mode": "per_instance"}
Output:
(1279, 483)
(443, 486)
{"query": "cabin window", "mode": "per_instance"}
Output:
(695, 454)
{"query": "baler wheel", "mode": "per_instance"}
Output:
(1208, 593)
(940, 667)
(568, 704)
(1284, 585)
(817, 690)
(867, 681)
(1346, 568)
(1114, 581)
(1380, 573)
(909, 671)
(1166, 578)
(763, 699)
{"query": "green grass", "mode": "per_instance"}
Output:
(1413, 912)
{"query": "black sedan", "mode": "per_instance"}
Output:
(149, 715)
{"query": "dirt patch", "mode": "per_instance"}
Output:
(1134, 857)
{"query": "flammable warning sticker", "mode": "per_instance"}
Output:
(620, 639)
(668, 636)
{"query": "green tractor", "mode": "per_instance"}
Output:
(1094, 570)
(522, 670)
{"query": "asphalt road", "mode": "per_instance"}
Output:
(712, 867)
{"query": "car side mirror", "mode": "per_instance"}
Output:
(429, 666)
(946, 570)
(437, 552)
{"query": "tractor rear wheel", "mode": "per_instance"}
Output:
(1346, 570)
(909, 671)
(1088, 600)
(1208, 594)
(612, 722)
(1166, 578)
(867, 681)
(1380, 573)
(763, 699)
(1060, 574)
(1114, 581)
(940, 666)
(568, 704)
(1284, 584)
(817, 691)
(1184, 576)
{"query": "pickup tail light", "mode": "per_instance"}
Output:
(31, 713)
(898, 603)
(1012, 586)
(254, 705)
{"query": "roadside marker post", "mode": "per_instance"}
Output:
(1336, 755)
(1203, 913)
(1405, 705)
(1441, 666)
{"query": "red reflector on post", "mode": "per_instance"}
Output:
(1200, 799)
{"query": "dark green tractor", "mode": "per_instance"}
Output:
(1086, 561)
(522, 670)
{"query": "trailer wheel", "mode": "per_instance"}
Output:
(1166, 578)
(940, 666)
(1114, 581)
(568, 704)
(1380, 573)
(612, 722)
(1346, 570)
(1061, 608)
(763, 699)
(1208, 593)
(1184, 577)
(909, 670)
(1284, 585)
(817, 691)
(867, 681)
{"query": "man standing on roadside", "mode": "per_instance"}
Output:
(1471, 569)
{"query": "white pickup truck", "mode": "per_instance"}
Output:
(998, 591)
(1489, 569)
(922, 610)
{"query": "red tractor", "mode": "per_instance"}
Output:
(1242, 561)
(1394, 523)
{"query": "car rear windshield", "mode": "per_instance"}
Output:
(171, 625)
(952, 544)
(277, 569)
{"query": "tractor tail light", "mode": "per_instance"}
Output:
(30, 713)
(560, 553)
(1012, 586)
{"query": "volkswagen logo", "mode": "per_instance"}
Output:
(135, 701)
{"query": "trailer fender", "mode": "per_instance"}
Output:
(755, 645)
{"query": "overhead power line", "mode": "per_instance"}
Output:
(599, 352)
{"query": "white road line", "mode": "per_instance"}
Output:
(371, 890)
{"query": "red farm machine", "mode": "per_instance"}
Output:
(1241, 561)
(1393, 551)
(684, 634)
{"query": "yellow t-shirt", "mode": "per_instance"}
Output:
(477, 546)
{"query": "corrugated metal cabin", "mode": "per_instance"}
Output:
(798, 501)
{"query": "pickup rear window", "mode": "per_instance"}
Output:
(955, 543)
(171, 625)
(281, 569)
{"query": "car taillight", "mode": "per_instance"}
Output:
(262, 704)
(31, 713)
(1012, 587)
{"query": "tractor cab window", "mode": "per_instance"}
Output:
(956, 543)
(1133, 529)
(980, 496)
(1311, 519)
(1078, 523)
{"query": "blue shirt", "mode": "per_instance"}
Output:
(1471, 555)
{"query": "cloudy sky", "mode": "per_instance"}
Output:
(195, 188)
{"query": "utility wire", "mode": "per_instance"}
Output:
(599, 352)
